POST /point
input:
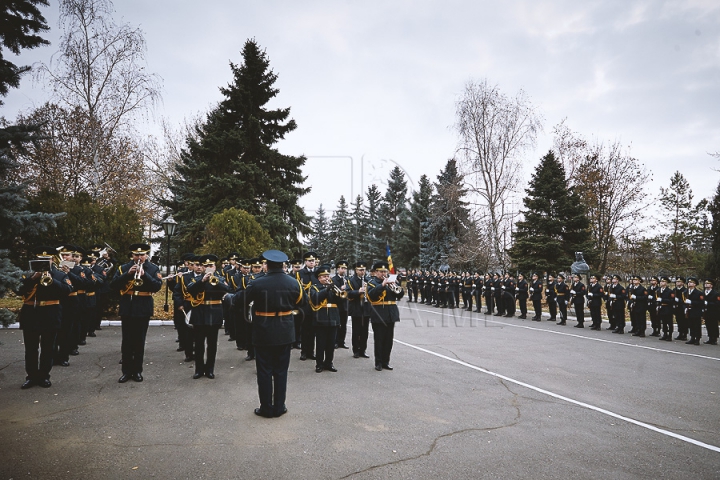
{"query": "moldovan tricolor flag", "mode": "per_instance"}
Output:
(389, 258)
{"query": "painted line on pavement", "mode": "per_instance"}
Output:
(570, 334)
(569, 400)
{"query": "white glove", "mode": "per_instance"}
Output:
(612, 295)
(632, 297)
(688, 301)
(547, 292)
(517, 289)
(572, 292)
(677, 299)
(532, 289)
(503, 287)
(492, 288)
(705, 302)
(590, 294)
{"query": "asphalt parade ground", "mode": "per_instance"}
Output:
(471, 396)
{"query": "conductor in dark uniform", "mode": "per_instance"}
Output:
(40, 315)
(136, 280)
(275, 298)
(383, 295)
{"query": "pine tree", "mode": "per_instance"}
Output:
(713, 267)
(231, 160)
(683, 224)
(554, 226)
(359, 230)
(320, 240)
(341, 233)
(409, 238)
(448, 219)
(374, 243)
(20, 21)
(392, 208)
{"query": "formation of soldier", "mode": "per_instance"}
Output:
(667, 304)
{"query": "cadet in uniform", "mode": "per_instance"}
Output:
(617, 296)
(562, 293)
(384, 313)
(695, 302)
(521, 291)
(206, 290)
(359, 310)
(181, 306)
(680, 293)
(535, 290)
(275, 298)
(326, 319)
(551, 298)
(595, 298)
(136, 280)
(712, 312)
(578, 300)
(340, 280)
(637, 305)
(307, 277)
(40, 316)
(489, 297)
(666, 305)
(652, 306)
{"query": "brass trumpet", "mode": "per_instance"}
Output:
(46, 279)
(339, 292)
(213, 280)
(395, 288)
(138, 281)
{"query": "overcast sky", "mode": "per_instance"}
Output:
(377, 81)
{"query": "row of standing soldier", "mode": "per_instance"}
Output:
(666, 305)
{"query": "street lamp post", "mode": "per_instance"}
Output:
(169, 227)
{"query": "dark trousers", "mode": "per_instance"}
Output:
(44, 340)
(203, 334)
(537, 306)
(562, 306)
(711, 323)
(228, 317)
(654, 318)
(383, 335)
(619, 317)
(308, 335)
(611, 316)
(360, 326)
(88, 322)
(325, 345)
(638, 320)
(185, 334)
(509, 304)
(490, 303)
(499, 304)
(681, 320)
(666, 319)
(478, 301)
(64, 341)
(102, 301)
(342, 329)
(132, 348)
(298, 329)
(467, 299)
(595, 315)
(553, 308)
(695, 325)
(272, 364)
(522, 303)
(579, 307)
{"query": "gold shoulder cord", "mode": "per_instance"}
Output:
(300, 295)
(315, 308)
(128, 286)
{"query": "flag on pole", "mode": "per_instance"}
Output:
(389, 258)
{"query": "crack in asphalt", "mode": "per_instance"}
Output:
(12, 363)
(514, 403)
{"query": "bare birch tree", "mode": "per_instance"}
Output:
(494, 132)
(100, 71)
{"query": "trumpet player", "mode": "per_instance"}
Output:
(340, 280)
(136, 280)
(207, 289)
(359, 310)
(40, 316)
(383, 295)
(72, 305)
(324, 298)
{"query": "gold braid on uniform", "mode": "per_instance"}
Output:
(28, 296)
(128, 287)
(382, 295)
(188, 296)
(315, 308)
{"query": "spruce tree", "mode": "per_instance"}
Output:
(20, 22)
(409, 236)
(713, 267)
(393, 206)
(320, 240)
(448, 219)
(231, 160)
(374, 243)
(341, 233)
(359, 230)
(555, 225)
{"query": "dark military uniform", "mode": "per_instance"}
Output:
(326, 319)
(206, 316)
(307, 277)
(618, 296)
(562, 293)
(508, 289)
(535, 291)
(384, 315)
(679, 311)
(521, 291)
(342, 303)
(652, 307)
(608, 304)
(712, 314)
(695, 303)
(578, 300)
(498, 296)
(40, 319)
(551, 300)
(359, 310)
(275, 297)
(665, 306)
(181, 306)
(637, 306)
(136, 307)
(489, 295)
(595, 298)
